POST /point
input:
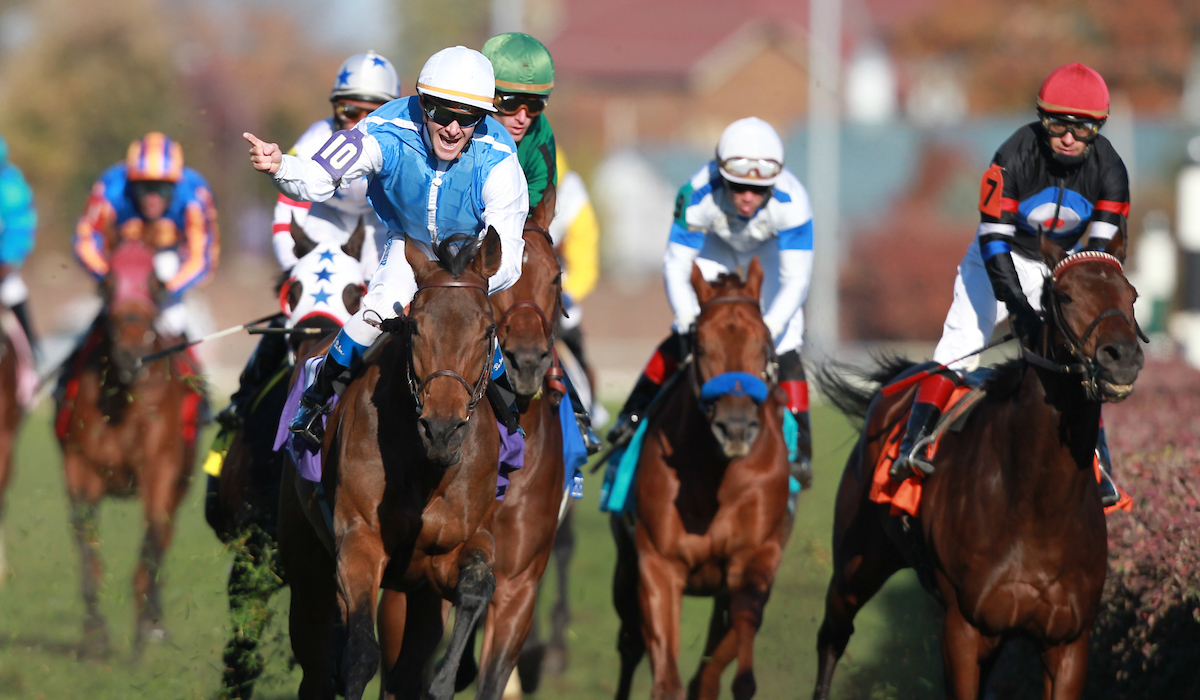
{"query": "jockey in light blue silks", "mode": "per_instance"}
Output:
(436, 164)
(18, 223)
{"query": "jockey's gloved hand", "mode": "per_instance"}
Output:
(1026, 323)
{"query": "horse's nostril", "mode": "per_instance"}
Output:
(1113, 353)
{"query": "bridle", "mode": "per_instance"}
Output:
(1083, 366)
(731, 383)
(418, 387)
(554, 376)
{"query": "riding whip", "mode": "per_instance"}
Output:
(897, 387)
(211, 336)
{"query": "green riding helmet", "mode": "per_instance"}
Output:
(521, 62)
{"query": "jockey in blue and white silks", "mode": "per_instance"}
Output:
(436, 165)
(18, 224)
(742, 205)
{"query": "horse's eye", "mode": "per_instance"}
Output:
(412, 327)
(491, 330)
(1063, 297)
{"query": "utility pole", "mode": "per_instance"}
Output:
(824, 157)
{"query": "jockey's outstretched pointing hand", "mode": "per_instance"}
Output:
(265, 157)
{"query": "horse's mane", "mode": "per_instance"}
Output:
(1006, 378)
(850, 388)
(455, 252)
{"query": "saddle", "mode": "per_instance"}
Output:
(905, 497)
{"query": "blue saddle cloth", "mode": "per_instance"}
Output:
(622, 466)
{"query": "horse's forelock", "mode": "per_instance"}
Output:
(454, 253)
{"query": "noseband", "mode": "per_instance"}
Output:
(418, 387)
(1084, 366)
(732, 383)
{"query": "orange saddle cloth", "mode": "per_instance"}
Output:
(905, 497)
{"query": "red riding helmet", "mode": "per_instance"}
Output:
(1075, 90)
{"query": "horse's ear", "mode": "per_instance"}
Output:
(1116, 247)
(1052, 253)
(754, 278)
(304, 244)
(487, 259)
(543, 213)
(704, 290)
(420, 263)
(354, 244)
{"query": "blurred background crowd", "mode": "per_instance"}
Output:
(889, 129)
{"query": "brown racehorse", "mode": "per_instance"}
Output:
(11, 413)
(122, 430)
(1010, 526)
(243, 503)
(710, 501)
(409, 477)
(526, 520)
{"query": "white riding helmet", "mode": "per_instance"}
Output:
(368, 77)
(459, 74)
(750, 152)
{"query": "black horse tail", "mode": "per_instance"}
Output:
(850, 389)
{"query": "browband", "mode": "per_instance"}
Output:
(1087, 256)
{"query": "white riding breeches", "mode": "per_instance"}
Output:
(717, 257)
(392, 287)
(975, 310)
(173, 316)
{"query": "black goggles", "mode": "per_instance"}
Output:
(1080, 129)
(349, 111)
(511, 103)
(740, 187)
(442, 113)
(142, 188)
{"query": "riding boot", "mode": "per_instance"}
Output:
(21, 311)
(314, 403)
(1109, 494)
(932, 394)
(262, 365)
(659, 369)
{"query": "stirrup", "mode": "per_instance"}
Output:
(906, 465)
(307, 423)
(230, 418)
(1109, 495)
(591, 441)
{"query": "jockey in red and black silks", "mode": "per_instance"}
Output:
(1057, 177)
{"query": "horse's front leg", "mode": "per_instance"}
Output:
(509, 618)
(161, 494)
(660, 591)
(84, 489)
(1066, 669)
(473, 591)
(360, 562)
(750, 584)
(963, 646)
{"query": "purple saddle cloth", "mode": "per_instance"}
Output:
(308, 460)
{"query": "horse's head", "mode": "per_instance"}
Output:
(527, 310)
(733, 367)
(325, 287)
(132, 295)
(451, 332)
(1089, 307)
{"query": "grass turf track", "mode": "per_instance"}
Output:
(894, 653)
